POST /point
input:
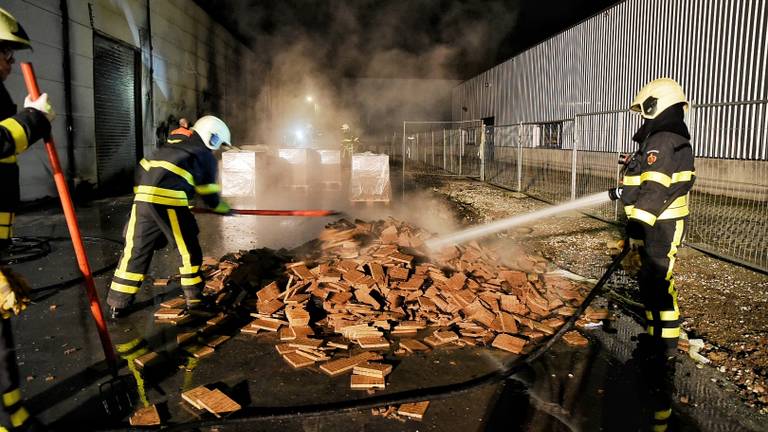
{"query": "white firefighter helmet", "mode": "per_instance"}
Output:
(11, 32)
(345, 127)
(213, 131)
(657, 96)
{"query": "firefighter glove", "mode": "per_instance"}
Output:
(614, 193)
(41, 104)
(223, 208)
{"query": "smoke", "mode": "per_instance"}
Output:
(322, 49)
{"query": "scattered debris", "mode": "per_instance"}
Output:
(146, 416)
(214, 401)
(413, 410)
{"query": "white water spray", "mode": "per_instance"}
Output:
(505, 224)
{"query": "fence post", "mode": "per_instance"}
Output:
(403, 185)
(482, 153)
(445, 155)
(574, 156)
(461, 150)
(520, 157)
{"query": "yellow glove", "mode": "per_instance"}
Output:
(223, 208)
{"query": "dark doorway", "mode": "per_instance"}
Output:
(116, 81)
(488, 123)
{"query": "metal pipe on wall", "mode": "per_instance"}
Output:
(68, 118)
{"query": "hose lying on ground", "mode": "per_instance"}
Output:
(251, 414)
(43, 246)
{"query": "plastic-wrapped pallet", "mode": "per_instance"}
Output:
(370, 178)
(238, 173)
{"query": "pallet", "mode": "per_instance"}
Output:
(369, 203)
(298, 187)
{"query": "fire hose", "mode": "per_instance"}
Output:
(512, 367)
(253, 212)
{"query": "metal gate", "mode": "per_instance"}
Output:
(117, 113)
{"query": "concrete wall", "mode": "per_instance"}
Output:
(199, 68)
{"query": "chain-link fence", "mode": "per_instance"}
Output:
(561, 160)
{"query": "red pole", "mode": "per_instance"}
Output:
(74, 230)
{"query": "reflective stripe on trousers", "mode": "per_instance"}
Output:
(149, 227)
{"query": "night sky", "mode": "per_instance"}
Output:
(450, 39)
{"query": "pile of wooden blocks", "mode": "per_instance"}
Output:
(381, 291)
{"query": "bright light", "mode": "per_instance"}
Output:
(299, 134)
(309, 99)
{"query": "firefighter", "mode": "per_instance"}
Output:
(165, 185)
(181, 133)
(348, 143)
(17, 130)
(654, 192)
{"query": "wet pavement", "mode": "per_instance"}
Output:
(601, 387)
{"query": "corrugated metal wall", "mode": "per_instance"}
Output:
(716, 49)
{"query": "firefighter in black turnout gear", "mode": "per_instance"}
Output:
(17, 132)
(165, 185)
(654, 191)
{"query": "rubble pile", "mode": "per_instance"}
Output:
(364, 289)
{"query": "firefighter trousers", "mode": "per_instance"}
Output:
(148, 228)
(9, 199)
(657, 283)
(14, 415)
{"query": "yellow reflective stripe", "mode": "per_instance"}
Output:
(660, 428)
(125, 347)
(679, 202)
(8, 160)
(674, 213)
(662, 415)
(128, 240)
(649, 315)
(207, 189)
(17, 133)
(11, 397)
(154, 190)
(631, 180)
(19, 417)
(643, 215)
(677, 238)
(116, 286)
(670, 333)
(683, 176)
(176, 202)
(129, 276)
(181, 172)
(185, 258)
(672, 315)
(657, 177)
(6, 218)
(5, 233)
(189, 270)
(174, 141)
(191, 281)
(2, 429)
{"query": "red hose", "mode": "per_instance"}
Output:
(74, 230)
(303, 213)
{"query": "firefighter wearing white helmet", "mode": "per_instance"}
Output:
(654, 192)
(161, 212)
(18, 130)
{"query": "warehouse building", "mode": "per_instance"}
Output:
(120, 75)
(556, 116)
